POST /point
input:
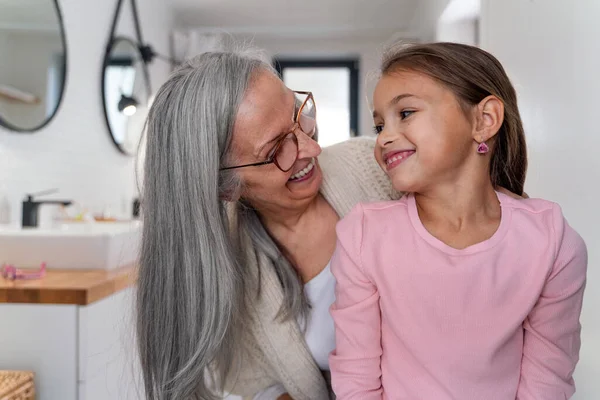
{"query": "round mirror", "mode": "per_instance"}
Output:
(33, 54)
(125, 92)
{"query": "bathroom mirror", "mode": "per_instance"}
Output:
(125, 93)
(33, 55)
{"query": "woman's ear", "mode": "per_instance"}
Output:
(489, 116)
(229, 196)
(226, 197)
(230, 187)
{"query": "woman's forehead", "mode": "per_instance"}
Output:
(267, 97)
(266, 110)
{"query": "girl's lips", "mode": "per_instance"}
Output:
(394, 158)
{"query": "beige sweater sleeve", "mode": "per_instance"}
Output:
(251, 374)
(351, 175)
(251, 371)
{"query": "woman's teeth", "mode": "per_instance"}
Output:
(304, 171)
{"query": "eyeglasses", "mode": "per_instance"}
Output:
(285, 152)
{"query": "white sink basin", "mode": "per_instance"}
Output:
(106, 245)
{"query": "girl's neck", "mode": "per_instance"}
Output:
(458, 206)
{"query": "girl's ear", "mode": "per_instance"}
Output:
(489, 116)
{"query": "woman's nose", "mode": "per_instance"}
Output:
(307, 146)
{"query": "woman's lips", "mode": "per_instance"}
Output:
(305, 173)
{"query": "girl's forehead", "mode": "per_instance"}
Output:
(407, 79)
(418, 85)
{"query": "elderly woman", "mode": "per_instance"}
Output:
(240, 206)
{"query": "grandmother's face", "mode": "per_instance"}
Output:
(265, 115)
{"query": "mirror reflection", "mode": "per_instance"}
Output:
(125, 94)
(32, 63)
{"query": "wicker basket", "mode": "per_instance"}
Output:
(17, 385)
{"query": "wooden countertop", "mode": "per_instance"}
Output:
(77, 287)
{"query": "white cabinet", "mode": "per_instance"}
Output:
(76, 352)
(43, 339)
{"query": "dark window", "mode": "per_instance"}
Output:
(334, 84)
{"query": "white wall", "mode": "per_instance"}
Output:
(550, 50)
(459, 22)
(74, 152)
(426, 17)
(462, 31)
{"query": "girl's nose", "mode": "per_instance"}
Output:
(386, 137)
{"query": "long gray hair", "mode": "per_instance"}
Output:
(191, 295)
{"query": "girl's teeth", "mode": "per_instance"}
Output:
(393, 159)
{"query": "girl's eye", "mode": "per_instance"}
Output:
(377, 129)
(405, 114)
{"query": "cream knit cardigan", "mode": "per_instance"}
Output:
(273, 351)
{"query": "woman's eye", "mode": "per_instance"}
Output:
(377, 129)
(405, 114)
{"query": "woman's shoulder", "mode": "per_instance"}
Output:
(351, 171)
(356, 146)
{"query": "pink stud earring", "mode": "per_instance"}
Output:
(482, 148)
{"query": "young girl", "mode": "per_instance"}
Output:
(456, 291)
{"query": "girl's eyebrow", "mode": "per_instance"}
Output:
(395, 101)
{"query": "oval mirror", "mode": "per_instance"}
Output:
(125, 93)
(33, 55)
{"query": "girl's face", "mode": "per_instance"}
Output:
(424, 136)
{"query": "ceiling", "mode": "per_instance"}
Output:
(298, 17)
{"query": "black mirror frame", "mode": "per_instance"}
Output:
(138, 44)
(7, 125)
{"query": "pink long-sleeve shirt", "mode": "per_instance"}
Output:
(418, 319)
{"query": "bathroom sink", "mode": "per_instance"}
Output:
(97, 245)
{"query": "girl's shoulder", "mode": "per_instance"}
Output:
(540, 219)
(533, 209)
(374, 218)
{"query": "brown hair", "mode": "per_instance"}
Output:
(472, 74)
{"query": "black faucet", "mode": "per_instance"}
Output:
(30, 208)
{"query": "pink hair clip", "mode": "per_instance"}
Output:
(11, 272)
